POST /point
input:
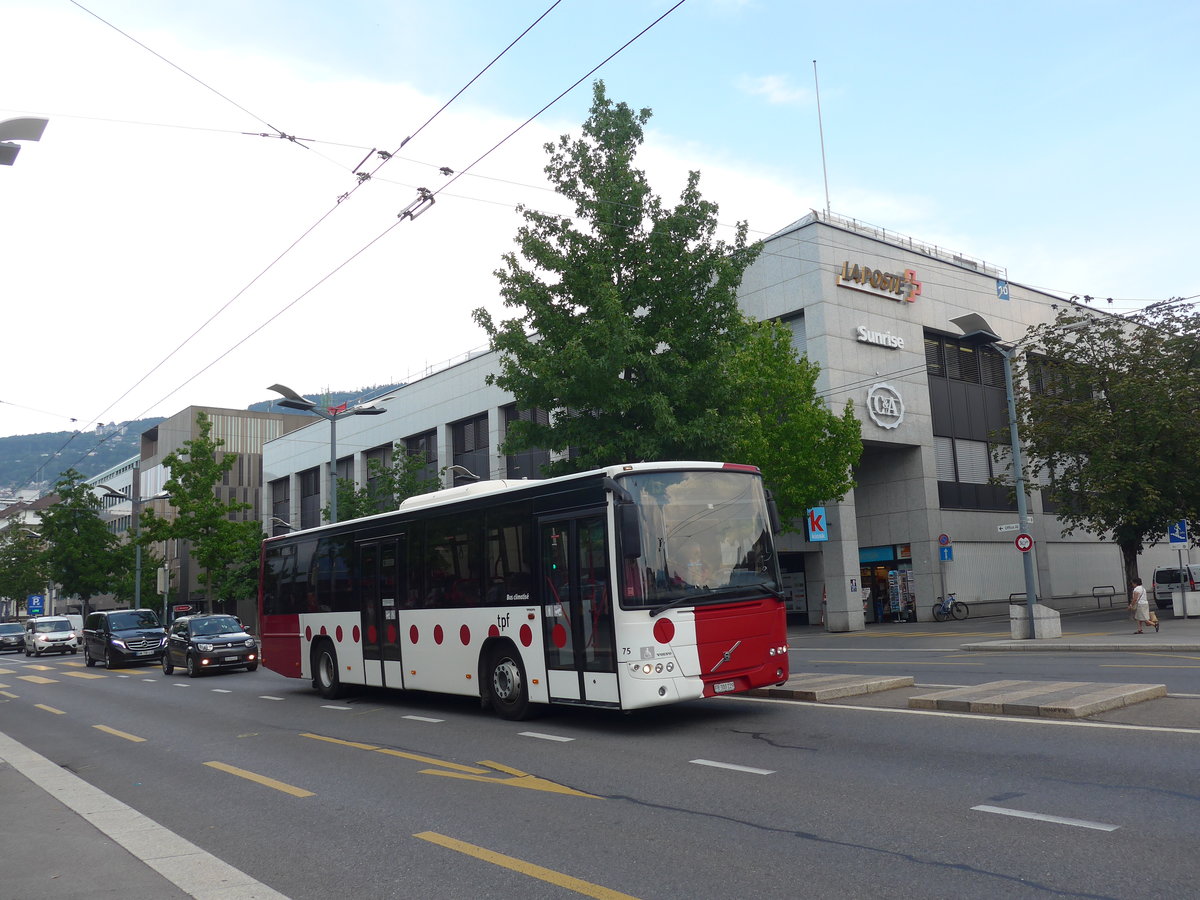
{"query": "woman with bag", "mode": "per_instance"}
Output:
(1140, 606)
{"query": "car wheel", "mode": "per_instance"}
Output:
(253, 667)
(109, 662)
(506, 683)
(192, 669)
(87, 657)
(325, 673)
(167, 666)
(74, 650)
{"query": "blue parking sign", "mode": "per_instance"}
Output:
(35, 604)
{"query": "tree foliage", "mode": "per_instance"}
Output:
(629, 331)
(217, 541)
(1110, 420)
(386, 487)
(80, 550)
(22, 564)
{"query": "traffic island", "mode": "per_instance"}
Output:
(1045, 699)
(818, 688)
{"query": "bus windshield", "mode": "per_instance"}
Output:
(702, 532)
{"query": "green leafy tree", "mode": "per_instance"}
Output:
(125, 575)
(387, 486)
(217, 541)
(80, 550)
(629, 330)
(22, 564)
(238, 580)
(1110, 422)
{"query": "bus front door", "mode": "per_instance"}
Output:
(577, 610)
(381, 593)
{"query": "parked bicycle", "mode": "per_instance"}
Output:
(949, 606)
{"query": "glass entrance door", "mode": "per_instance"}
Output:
(382, 590)
(578, 615)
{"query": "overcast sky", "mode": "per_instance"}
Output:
(1057, 139)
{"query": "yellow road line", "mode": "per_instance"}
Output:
(1136, 666)
(261, 779)
(8, 695)
(38, 679)
(85, 675)
(120, 734)
(577, 885)
(57, 712)
(428, 760)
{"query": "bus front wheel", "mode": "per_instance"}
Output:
(506, 683)
(325, 673)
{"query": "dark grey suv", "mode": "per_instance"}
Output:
(118, 637)
(204, 643)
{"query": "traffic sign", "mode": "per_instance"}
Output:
(944, 540)
(1024, 542)
(1004, 528)
(946, 554)
(35, 604)
(1178, 532)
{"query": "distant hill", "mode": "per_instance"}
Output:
(37, 460)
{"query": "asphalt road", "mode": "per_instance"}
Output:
(396, 795)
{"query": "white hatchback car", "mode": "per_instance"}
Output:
(49, 634)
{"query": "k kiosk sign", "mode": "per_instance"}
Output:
(815, 524)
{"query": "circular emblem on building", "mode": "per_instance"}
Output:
(885, 406)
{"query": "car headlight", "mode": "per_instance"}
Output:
(204, 648)
(117, 642)
(250, 642)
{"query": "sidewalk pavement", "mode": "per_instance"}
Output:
(65, 839)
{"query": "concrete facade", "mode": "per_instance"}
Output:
(871, 308)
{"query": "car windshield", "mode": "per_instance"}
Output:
(216, 625)
(10, 628)
(136, 618)
(48, 626)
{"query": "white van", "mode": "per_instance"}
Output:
(1177, 586)
(76, 621)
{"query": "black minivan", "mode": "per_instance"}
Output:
(118, 637)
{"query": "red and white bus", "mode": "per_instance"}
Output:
(626, 587)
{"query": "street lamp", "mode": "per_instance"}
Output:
(25, 129)
(977, 331)
(137, 534)
(292, 400)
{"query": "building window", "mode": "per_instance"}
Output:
(528, 463)
(310, 498)
(470, 442)
(281, 505)
(424, 446)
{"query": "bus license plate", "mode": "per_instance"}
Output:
(723, 687)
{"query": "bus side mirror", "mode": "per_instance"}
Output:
(773, 515)
(629, 531)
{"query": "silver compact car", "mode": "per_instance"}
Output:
(49, 634)
(206, 643)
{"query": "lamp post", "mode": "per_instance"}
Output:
(137, 502)
(976, 330)
(292, 400)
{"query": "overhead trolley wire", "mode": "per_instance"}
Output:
(294, 243)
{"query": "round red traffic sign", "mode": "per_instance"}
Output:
(943, 540)
(1024, 542)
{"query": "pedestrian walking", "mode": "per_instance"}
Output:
(1139, 604)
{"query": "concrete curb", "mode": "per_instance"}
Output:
(817, 688)
(1100, 646)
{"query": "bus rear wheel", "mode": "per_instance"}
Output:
(325, 673)
(507, 685)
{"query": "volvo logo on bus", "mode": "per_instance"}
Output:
(885, 406)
